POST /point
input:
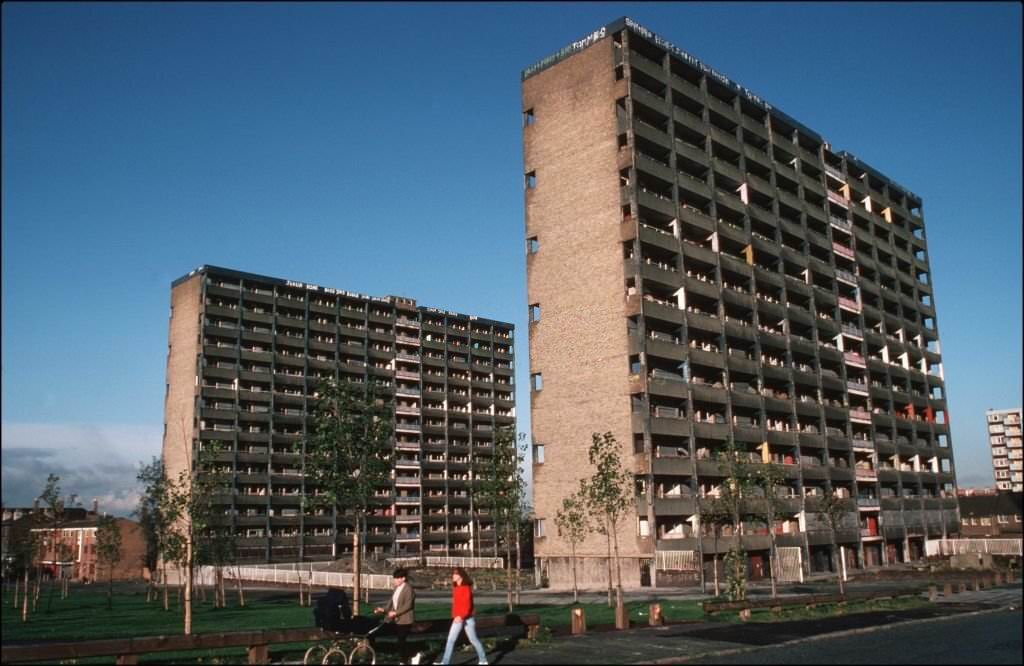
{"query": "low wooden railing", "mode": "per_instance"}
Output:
(257, 643)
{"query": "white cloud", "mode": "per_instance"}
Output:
(93, 460)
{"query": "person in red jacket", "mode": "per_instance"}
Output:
(462, 616)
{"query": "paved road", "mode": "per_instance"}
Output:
(991, 638)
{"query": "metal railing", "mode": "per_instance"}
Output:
(962, 546)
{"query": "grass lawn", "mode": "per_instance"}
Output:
(84, 616)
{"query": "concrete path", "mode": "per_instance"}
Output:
(685, 642)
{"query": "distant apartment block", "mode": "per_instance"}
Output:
(1004, 438)
(245, 356)
(705, 270)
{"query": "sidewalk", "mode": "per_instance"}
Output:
(691, 640)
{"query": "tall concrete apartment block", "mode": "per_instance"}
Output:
(703, 270)
(1004, 436)
(245, 356)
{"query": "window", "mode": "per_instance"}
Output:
(538, 454)
(528, 118)
(531, 180)
(534, 312)
(536, 381)
(532, 245)
(538, 528)
(643, 527)
(1003, 519)
(987, 520)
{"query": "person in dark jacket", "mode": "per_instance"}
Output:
(462, 616)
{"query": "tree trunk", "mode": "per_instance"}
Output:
(772, 560)
(714, 559)
(839, 571)
(575, 587)
(163, 582)
(608, 534)
(24, 599)
(519, 566)
(110, 589)
(188, 583)
(618, 575)
(355, 568)
(241, 593)
(508, 570)
(15, 604)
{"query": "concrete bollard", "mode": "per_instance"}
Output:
(975, 584)
(933, 593)
(947, 590)
(578, 618)
(655, 618)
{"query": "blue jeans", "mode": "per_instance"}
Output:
(453, 635)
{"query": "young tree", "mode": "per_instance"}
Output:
(24, 549)
(57, 548)
(216, 542)
(609, 493)
(152, 522)
(734, 466)
(573, 525)
(501, 489)
(348, 456)
(189, 505)
(768, 480)
(835, 510)
(715, 515)
(108, 551)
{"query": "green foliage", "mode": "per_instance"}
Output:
(500, 486)
(152, 521)
(608, 493)
(108, 542)
(348, 455)
(571, 519)
(735, 574)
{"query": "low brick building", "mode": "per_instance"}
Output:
(72, 552)
(989, 516)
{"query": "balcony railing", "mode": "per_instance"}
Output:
(842, 250)
(857, 386)
(853, 358)
(849, 303)
(837, 199)
(867, 502)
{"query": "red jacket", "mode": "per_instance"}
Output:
(462, 601)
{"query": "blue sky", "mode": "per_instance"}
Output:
(377, 148)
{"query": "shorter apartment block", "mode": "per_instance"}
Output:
(1004, 438)
(71, 551)
(245, 357)
(991, 515)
